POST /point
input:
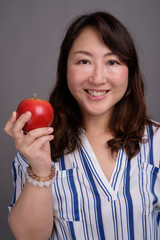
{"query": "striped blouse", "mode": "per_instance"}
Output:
(88, 206)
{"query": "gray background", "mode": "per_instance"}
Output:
(30, 36)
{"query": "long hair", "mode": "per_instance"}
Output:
(129, 118)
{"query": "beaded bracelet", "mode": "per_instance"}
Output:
(40, 181)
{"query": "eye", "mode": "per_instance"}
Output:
(84, 61)
(112, 62)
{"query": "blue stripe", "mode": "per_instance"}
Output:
(129, 202)
(21, 155)
(151, 145)
(155, 172)
(148, 179)
(22, 184)
(62, 163)
(72, 230)
(89, 213)
(15, 186)
(74, 195)
(62, 230)
(142, 195)
(114, 216)
(158, 219)
(98, 200)
(120, 209)
(119, 164)
(65, 198)
(59, 199)
(56, 233)
(83, 215)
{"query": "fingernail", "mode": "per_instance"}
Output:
(50, 129)
(13, 113)
(26, 113)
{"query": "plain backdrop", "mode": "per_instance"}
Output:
(30, 35)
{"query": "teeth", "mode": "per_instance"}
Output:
(96, 93)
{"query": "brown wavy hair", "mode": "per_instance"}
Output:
(129, 117)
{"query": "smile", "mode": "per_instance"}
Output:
(95, 93)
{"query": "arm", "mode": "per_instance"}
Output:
(32, 215)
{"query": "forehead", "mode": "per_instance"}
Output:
(88, 38)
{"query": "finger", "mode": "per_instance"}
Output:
(9, 125)
(46, 146)
(20, 123)
(41, 142)
(37, 133)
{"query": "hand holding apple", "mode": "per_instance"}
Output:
(42, 113)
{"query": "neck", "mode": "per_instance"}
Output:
(95, 125)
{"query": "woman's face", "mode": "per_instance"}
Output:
(96, 77)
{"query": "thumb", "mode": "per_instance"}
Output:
(10, 123)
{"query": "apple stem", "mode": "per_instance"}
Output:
(35, 96)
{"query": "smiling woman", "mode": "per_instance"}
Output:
(105, 149)
(116, 48)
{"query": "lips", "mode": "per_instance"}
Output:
(97, 93)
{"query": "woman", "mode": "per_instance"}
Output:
(105, 148)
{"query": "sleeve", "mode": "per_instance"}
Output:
(156, 178)
(19, 169)
(156, 147)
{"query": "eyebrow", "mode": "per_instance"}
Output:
(89, 54)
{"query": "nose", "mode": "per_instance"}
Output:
(98, 75)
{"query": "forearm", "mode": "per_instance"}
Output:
(32, 214)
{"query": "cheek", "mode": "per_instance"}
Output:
(72, 79)
(122, 79)
(71, 74)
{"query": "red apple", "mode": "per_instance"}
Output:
(42, 113)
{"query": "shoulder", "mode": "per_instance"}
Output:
(156, 139)
(151, 145)
(152, 130)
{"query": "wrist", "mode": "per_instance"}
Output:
(43, 171)
(40, 181)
